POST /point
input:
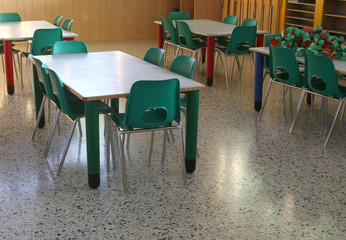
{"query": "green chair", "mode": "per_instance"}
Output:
(155, 56)
(242, 39)
(283, 70)
(69, 47)
(323, 82)
(249, 22)
(186, 41)
(151, 106)
(42, 43)
(169, 35)
(179, 16)
(73, 109)
(57, 21)
(267, 39)
(11, 17)
(223, 41)
(67, 24)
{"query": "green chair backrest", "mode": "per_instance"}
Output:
(43, 78)
(242, 38)
(249, 22)
(185, 35)
(267, 39)
(168, 30)
(67, 24)
(152, 104)
(57, 21)
(60, 94)
(183, 65)
(229, 19)
(10, 17)
(320, 76)
(44, 39)
(283, 66)
(179, 16)
(66, 47)
(155, 56)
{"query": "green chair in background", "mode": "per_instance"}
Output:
(10, 17)
(57, 21)
(250, 22)
(323, 82)
(73, 109)
(169, 35)
(67, 24)
(267, 39)
(151, 106)
(42, 42)
(223, 41)
(155, 56)
(283, 70)
(179, 16)
(186, 41)
(69, 47)
(242, 39)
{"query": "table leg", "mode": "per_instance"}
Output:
(93, 143)
(259, 59)
(38, 97)
(260, 40)
(160, 36)
(9, 66)
(191, 130)
(210, 60)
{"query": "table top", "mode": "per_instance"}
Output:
(102, 75)
(24, 30)
(210, 28)
(340, 66)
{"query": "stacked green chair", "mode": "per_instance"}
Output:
(155, 56)
(73, 109)
(179, 16)
(151, 106)
(11, 17)
(242, 39)
(57, 21)
(323, 82)
(187, 42)
(42, 42)
(283, 70)
(69, 47)
(67, 24)
(169, 35)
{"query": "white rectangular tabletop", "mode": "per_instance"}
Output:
(24, 30)
(340, 66)
(102, 75)
(210, 28)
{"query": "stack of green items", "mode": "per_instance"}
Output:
(316, 41)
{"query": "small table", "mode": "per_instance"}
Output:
(24, 30)
(110, 75)
(260, 53)
(210, 29)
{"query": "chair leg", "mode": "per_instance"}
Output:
(225, 68)
(151, 147)
(216, 55)
(265, 100)
(122, 163)
(332, 127)
(30, 76)
(80, 128)
(164, 148)
(128, 137)
(241, 68)
(39, 117)
(182, 155)
(3, 63)
(296, 114)
(62, 161)
(343, 111)
(284, 100)
(231, 73)
(49, 140)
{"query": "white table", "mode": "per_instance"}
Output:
(110, 75)
(210, 29)
(24, 30)
(260, 52)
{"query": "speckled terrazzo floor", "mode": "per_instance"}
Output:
(254, 180)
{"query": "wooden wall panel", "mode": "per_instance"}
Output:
(96, 20)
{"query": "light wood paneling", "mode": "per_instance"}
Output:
(96, 20)
(208, 9)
